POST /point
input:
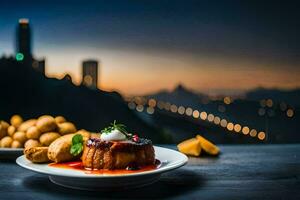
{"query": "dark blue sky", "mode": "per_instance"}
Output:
(262, 32)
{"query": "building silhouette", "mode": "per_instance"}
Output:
(23, 41)
(24, 48)
(90, 73)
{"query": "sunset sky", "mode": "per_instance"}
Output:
(145, 46)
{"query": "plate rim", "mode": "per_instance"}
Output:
(2, 149)
(163, 169)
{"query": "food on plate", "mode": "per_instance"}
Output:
(16, 120)
(59, 150)
(193, 146)
(66, 128)
(16, 144)
(20, 136)
(207, 146)
(190, 147)
(47, 138)
(11, 130)
(32, 143)
(33, 133)
(117, 149)
(37, 154)
(46, 123)
(6, 142)
(26, 125)
(3, 129)
(60, 119)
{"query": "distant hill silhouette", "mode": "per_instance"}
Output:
(180, 96)
(291, 97)
(279, 127)
(30, 94)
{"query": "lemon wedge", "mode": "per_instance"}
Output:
(207, 146)
(190, 147)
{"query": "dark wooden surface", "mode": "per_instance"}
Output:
(240, 172)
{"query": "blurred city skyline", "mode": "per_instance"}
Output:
(148, 46)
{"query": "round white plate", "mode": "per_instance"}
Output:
(10, 153)
(76, 179)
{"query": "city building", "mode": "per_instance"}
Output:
(23, 47)
(90, 73)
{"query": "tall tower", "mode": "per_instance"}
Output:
(90, 73)
(23, 41)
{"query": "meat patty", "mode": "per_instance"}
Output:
(100, 154)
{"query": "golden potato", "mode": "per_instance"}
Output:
(66, 128)
(32, 143)
(26, 125)
(20, 136)
(6, 142)
(84, 133)
(16, 144)
(37, 154)
(11, 131)
(59, 150)
(3, 128)
(33, 133)
(60, 119)
(16, 120)
(47, 138)
(46, 123)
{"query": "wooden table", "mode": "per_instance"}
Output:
(240, 172)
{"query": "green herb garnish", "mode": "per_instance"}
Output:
(77, 145)
(115, 126)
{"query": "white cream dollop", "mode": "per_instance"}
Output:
(113, 135)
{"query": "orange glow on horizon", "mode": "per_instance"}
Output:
(133, 73)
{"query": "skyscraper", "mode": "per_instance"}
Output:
(23, 48)
(90, 73)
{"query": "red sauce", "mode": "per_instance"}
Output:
(77, 165)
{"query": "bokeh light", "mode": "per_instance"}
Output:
(290, 112)
(203, 115)
(221, 108)
(210, 117)
(167, 106)
(152, 102)
(253, 133)
(283, 106)
(227, 100)
(160, 104)
(150, 110)
(237, 128)
(140, 108)
(189, 111)
(261, 135)
(223, 123)
(131, 105)
(230, 126)
(196, 114)
(181, 110)
(263, 103)
(173, 108)
(217, 120)
(269, 103)
(19, 56)
(245, 130)
(261, 111)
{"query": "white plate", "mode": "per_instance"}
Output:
(76, 179)
(10, 153)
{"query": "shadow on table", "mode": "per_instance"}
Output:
(174, 183)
